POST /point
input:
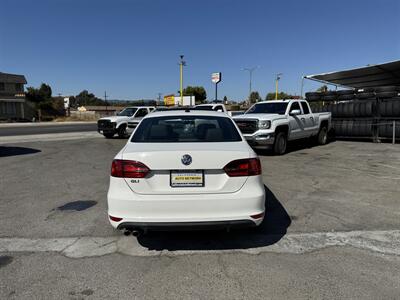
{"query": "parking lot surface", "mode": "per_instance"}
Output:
(332, 229)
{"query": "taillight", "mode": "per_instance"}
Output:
(128, 169)
(243, 167)
(115, 219)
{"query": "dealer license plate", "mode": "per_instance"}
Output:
(187, 178)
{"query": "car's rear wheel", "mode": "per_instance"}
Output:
(108, 135)
(280, 143)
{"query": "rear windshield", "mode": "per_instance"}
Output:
(268, 108)
(186, 129)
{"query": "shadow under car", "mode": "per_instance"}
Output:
(273, 228)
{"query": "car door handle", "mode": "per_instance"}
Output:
(303, 119)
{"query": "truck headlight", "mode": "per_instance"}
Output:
(264, 124)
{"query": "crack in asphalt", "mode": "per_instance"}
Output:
(384, 242)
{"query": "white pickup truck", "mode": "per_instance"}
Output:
(270, 124)
(212, 106)
(123, 122)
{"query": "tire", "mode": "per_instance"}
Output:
(122, 131)
(341, 110)
(344, 92)
(366, 90)
(384, 95)
(313, 96)
(365, 95)
(387, 89)
(346, 97)
(280, 143)
(329, 96)
(322, 137)
(108, 135)
(389, 108)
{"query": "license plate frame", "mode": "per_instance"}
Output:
(187, 173)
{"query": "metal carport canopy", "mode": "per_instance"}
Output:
(370, 76)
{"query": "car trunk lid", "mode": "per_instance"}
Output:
(206, 158)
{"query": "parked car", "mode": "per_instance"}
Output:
(270, 124)
(119, 124)
(185, 169)
(212, 106)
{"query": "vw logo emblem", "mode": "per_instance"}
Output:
(186, 159)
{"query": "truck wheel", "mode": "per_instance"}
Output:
(323, 136)
(108, 135)
(280, 143)
(122, 131)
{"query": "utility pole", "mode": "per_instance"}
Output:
(278, 77)
(250, 70)
(181, 64)
(159, 98)
(105, 99)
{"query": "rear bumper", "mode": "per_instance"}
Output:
(166, 226)
(186, 210)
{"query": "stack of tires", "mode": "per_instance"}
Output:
(389, 111)
(362, 113)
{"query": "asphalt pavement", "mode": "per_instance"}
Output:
(43, 128)
(332, 230)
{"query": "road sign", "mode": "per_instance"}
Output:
(216, 77)
(169, 100)
(66, 102)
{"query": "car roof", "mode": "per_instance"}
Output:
(187, 112)
(280, 101)
(142, 106)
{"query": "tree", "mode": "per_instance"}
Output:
(39, 95)
(281, 95)
(86, 98)
(198, 91)
(322, 89)
(42, 99)
(225, 99)
(254, 97)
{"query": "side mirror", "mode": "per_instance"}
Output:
(295, 112)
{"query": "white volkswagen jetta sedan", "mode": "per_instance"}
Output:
(185, 169)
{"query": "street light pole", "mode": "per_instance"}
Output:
(105, 100)
(302, 86)
(250, 70)
(278, 77)
(181, 64)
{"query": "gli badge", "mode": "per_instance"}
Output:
(186, 159)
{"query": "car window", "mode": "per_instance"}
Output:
(295, 105)
(306, 110)
(203, 107)
(141, 113)
(186, 129)
(268, 108)
(218, 108)
(127, 112)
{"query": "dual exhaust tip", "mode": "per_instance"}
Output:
(136, 232)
